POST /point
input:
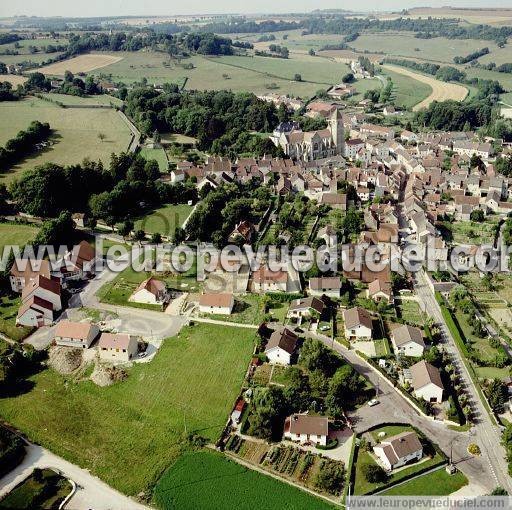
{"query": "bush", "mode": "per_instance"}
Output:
(474, 449)
(374, 473)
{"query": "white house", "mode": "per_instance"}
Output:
(358, 324)
(306, 429)
(35, 312)
(380, 290)
(426, 381)
(265, 280)
(408, 341)
(23, 271)
(117, 347)
(75, 334)
(399, 450)
(150, 291)
(329, 286)
(305, 307)
(44, 288)
(221, 303)
(281, 346)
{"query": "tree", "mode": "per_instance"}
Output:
(314, 355)
(102, 136)
(156, 238)
(374, 473)
(56, 231)
(297, 77)
(312, 52)
(139, 235)
(126, 228)
(330, 476)
(348, 78)
(477, 215)
(179, 236)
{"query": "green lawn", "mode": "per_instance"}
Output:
(158, 155)
(164, 220)
(437, 483)
(208, 480)
(470, 232)
(8, 311)
(29, 494)
(248, 310)
(75, 133)
(382, 348)
(16, 234)
(409, 310)
(129, 433)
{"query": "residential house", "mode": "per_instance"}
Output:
(119, 347)
(151, 291)
(304, 308)
(335, 200)
(44, 288)
(426, 381)
(265, 280)
(307, 429)
(358, 324)
(23, 271)
(325, 285)
(408, 341)
(75, 334)
(217, 303)
(380, 290)
(281, 346)
(35, 312)
(399, 450)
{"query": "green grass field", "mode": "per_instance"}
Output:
(8, 311)
(208, 480)
(437, 483)
(407, 91)
(158, 155)
(16, 234)
(164, 220)
(237, 73)
(129, 433)
(248, 310)
(102, 99)
(75, 132)
(403, 44)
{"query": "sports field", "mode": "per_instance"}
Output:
(129, 433)
(80, 64)
(75, 134)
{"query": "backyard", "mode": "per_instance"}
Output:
(16, 234)
(189, 387)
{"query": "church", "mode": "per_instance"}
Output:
(310, 145)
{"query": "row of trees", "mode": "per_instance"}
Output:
(16, 148)
(472, 56)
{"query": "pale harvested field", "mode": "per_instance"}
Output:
(15, 79)
(80, 64)
(441, 91)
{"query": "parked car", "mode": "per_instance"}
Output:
(373, 402)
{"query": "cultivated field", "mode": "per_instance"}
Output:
(208, 480)
(14, 79)
(404, 44)
(80, 64)
(129, 433)
(441, 91)
(407, 91)
(75, 134)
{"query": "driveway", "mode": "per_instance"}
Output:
(91, 493)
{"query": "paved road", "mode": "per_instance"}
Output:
(91, 492)
(395, 408)
(487, 435)
(149, 324)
